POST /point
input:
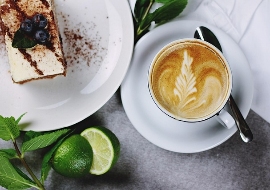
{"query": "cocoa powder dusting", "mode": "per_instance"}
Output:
(45, 3)
(79, 48)
(33, 63)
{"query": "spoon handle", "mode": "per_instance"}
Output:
(205, 34)
(241, 124)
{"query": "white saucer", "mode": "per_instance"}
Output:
(162, 130)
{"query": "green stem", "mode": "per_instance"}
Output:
(140, 31)
(27, 167)
(148, 9)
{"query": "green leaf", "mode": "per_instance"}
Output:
(21, 40)
(8, 153)
(163, 1)
(40, 140)
(19, 119)
(12, 178)
(22, 174)
(169, 11)
(30, 135)
(46, 165)
(8, 128)
(164, 13)
(141, 9)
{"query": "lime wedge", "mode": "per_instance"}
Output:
(106, 148)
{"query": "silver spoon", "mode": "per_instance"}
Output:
(205, 34)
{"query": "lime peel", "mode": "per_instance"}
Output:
(73, 158)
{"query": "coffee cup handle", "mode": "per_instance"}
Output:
(225, 119)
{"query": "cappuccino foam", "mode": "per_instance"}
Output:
(190, 80)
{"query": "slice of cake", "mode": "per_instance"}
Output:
(43, 60)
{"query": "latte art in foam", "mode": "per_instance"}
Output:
(190, 80)
(185, 83)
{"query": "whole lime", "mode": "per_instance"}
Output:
(73, 158)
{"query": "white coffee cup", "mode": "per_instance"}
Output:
(190, 80)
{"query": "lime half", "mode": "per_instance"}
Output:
(106, 148)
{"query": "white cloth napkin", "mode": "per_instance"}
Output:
(248, 23)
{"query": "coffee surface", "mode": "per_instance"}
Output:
(190, 80)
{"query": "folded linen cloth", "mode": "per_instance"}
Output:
(248, 23)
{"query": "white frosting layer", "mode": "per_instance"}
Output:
(21, 69)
